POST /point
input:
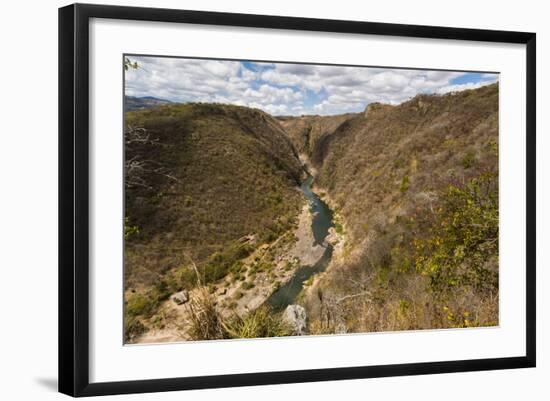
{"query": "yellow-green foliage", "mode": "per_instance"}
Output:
(206, 323)
(404, 184)
(129, 229)
(468, 160)
(462, 247)
(144, 304)
(222, 262)
(138, 305)
(339, 228)
(258, 323)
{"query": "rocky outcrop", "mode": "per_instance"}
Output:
(375, 108)
(181, 297)
(305, 248)
(333, 237)
(295, 317)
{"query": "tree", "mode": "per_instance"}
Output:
(137, 167)
(462, 247)
(128, 64)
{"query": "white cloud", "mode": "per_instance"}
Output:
(286, 88)
(461, 87)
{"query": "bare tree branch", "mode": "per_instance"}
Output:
(367, 293)
(137, 169)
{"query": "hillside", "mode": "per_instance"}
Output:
(226, 183)
(426, 142)
(415, 188)
(306, 131)
(396, 229)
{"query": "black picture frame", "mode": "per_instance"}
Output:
(74, 198)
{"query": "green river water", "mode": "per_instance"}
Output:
(321, 222)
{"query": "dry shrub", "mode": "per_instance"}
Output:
(206, 323)
(133, 328)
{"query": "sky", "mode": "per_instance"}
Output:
(289, 89)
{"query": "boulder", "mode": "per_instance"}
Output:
(250, 239)
(332, 237)
(295, 317)
(181, 297)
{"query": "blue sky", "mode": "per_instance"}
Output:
(289, 89)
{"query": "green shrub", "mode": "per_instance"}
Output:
(139, 304)
(463, 242)
(129, 229)
(256, 324)
(132, 328)
(247, 285)
(468, 160)
(146, 304)
(223, 262)
(404, 184)
(185, 278)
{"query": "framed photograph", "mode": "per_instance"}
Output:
(250, 199)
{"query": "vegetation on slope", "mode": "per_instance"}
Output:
(208, 324)
(209, 176)
(417, 187)
(306, 131)
(414, 189)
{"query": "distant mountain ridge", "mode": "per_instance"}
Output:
(132, 103)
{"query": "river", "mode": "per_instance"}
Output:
(321, 222)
